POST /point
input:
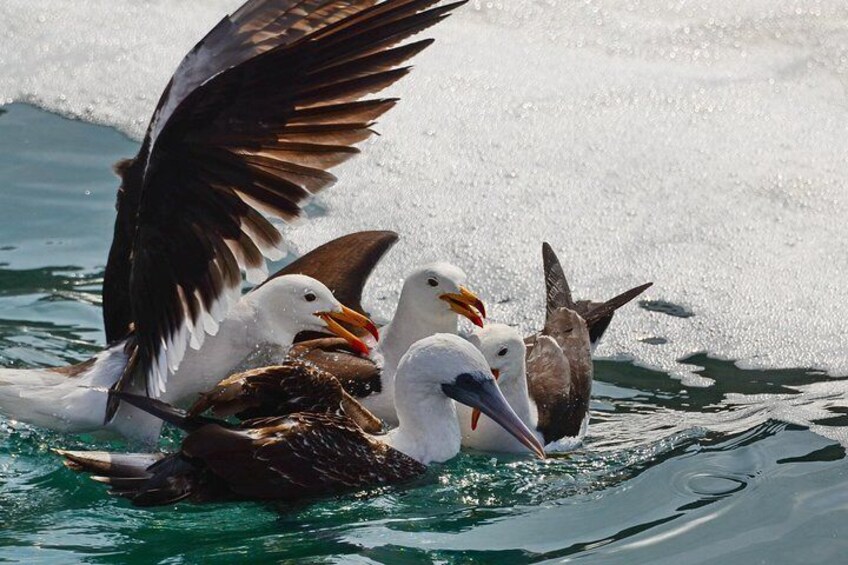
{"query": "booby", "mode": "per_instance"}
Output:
(306, 454)
(432, 300)
(77, 402)
(547, 377)
(248, 126)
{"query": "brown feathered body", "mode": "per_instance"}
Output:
(559, 357)
(315, 446)
(295, 386)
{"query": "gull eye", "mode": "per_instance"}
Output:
(433, 281)
(503, 351)
(310, 297)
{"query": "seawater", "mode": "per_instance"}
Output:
(749, 470)
(697, 144)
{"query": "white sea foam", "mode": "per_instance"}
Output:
(701, 145)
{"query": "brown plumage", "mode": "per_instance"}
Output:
(249, 124)
(559, 357)
(358, 375)
(288, 457)
(344, 264)
(295, 386)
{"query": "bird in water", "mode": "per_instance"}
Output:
(77, 402)
(432, 300)
(546, 377)
(306, 454)
(248, 126)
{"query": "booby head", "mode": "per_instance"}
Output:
(504, 350)
(439, 288)
(447, 365)
(302, 303)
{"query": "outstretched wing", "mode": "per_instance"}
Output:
(598, 315)
(251, 122)
(557, 291)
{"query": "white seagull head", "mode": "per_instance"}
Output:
(439, 289)
(504, 351)
(300, 303)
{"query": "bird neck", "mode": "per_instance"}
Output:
(263, 324)
(411, 323)
(514, 389)
(428, 430)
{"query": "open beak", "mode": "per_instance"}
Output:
(478, 391)
(354, 318)
(466, 304)
(475, 414)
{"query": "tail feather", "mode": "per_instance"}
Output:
(147, 479)
(110, 464)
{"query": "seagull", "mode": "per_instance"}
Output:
(307, 454)
(76, 403)
(432, 300)
(546, 377)
(343, 265)
(246, 129)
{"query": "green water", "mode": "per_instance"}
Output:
(667, 474)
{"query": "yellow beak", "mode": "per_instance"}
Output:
(466, 303)
(354, 318)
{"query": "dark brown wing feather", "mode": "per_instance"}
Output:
(250, 122)
(558, 293)
(597, 315)
(358, 375)
(280, 390)
(272, 391)
(298, 456)
(344, 264)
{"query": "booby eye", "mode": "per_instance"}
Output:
(503, 352)
(310, 297)
(432, 281)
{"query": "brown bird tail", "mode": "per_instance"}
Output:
(111, 464)
(147, 479)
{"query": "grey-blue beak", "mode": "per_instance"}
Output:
(480, 391)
